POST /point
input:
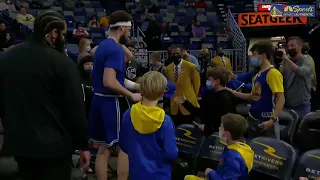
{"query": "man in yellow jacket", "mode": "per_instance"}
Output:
(186, 77)
(221, 60)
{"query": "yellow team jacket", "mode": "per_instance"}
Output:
(219, 62)
(187, 84)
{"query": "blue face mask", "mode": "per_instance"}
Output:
(210, 85)
(89, 71)
(255, 62)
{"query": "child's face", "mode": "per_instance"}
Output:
(88, 66)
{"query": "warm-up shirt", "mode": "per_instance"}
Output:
(109, 54)
(147, 135)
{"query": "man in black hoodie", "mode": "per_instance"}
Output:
(44, 116)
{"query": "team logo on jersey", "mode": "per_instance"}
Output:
(256, 91)
(131, 72)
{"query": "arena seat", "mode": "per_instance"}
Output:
(243, 109)
(210, 153)
(288, 120)
(273, 159)
(308, 133)
(308, 165)
(189, 142)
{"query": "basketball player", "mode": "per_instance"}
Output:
(110, 95)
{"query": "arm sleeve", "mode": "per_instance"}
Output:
(245, 77)
(305, 69)
(189, 107)
(122, 134)
(73, 109)
(230, 170)
(115, 60)
(275, 81)
(195, 79)
(170, 150)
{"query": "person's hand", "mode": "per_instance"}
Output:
(179, 99)
(266, 125)
(207, 171)
(201, 127)
(136, 97)
(284, 54)
(228, 89)
(86, 157)
(233, 76)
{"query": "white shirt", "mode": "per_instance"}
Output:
(179, 67)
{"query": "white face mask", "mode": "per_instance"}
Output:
(88, 48)
(224, 139)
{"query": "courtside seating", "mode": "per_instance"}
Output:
(243, 110)
(308, 165)
(288, 120)
(308, 133)
(273, 159)
(189, 142)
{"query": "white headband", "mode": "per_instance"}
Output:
(123, 23)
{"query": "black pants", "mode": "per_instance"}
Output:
(179, 119)
(44, 169)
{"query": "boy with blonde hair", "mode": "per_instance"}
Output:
(147, 134)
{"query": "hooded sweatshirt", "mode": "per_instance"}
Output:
(147, 135)
(236, 162)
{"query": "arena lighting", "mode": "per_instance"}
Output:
(264, 7)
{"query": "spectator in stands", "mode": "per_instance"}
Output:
(267, 84)
(24, 18)
(156, 65)
(205, 63)
(237, 158)
(305, 51)
(147, 134)
(104, 21)
(133, 70)
(85, 67)
(93, 22)
(3, 32)
(190, 4)
(165, 29)
(182, 28)
(221, 60)
(201, 4)
(154, 9)
(187, 80)
(84, 48)
(7, 42)
(198, 31)
(20, 3)
(192, 58)
(79, 32)
(153, 35)
(297, 73)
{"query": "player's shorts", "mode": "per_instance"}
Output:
(105, 118)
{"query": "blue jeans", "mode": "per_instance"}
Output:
(301, 110)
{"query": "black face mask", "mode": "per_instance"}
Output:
(176, 59)
(220, 54)
(292, 52)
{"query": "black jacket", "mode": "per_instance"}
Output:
(44, 114)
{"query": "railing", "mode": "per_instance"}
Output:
(239, 43)
(143, 57)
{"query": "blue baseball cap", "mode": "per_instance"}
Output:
(170, 91)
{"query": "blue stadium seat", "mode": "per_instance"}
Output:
(182, 40)
(73, 48)
(273, 159)
(308, 165)
(194, 46)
